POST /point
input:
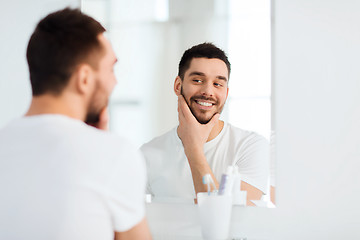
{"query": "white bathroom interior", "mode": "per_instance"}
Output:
(295, 79)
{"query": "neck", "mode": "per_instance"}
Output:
(216, 130)
(50, 104)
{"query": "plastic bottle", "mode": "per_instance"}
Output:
(226, 184)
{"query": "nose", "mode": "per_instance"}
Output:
(207, 90)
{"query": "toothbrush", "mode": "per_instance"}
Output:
(207, 179)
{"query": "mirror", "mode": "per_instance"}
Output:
(149, 38)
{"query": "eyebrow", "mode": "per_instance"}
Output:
(203, 75)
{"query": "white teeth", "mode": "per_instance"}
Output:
(205, 104)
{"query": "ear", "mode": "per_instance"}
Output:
(177, 86)
(84, 78)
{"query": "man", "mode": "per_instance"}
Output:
(59, 177)
(201, 144)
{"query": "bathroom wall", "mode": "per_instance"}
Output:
(18, 19)
(316, 74)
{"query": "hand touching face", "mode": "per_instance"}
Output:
(204, 87)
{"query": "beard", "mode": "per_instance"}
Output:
(201, 118)
(97, 103)
(92, 117)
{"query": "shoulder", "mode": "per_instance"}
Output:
(161, 141)
(95, 144)
(80, 131)
(114, 145)
(121, 159)
(245, 135)
(244, 140)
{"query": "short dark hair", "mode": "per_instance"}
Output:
(61, 41)
(203, 50)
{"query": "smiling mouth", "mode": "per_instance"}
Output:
(205, 104)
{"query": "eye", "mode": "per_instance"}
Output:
(196, 80)
(218, 85)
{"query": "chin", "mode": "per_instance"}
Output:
(203, 120)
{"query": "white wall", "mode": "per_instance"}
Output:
(316, 74)
(18, 19)
(317, 112)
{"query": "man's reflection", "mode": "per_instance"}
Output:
(201, 143)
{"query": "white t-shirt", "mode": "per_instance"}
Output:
(62, 179)
(169, 174)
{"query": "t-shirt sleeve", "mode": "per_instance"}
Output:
(126, 195)
(253, 161)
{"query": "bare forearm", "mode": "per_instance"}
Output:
(252, 193)
(199, 167)
(139, 231)
(193, 136)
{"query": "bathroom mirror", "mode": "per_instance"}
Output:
(149, 38)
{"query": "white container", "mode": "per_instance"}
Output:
(215, 215)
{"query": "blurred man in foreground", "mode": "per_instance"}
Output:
(59, 177)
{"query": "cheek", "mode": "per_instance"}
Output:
(111, 86)
(109, 82)
(222, 96)
(186, 94)
(188, 91)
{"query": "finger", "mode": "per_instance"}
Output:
(180, 107)
(184, 108)
(214, 120)
(103, 123)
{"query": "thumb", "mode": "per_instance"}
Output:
(103, 123)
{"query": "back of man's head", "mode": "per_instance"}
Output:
(60, 42)
(203, 50)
